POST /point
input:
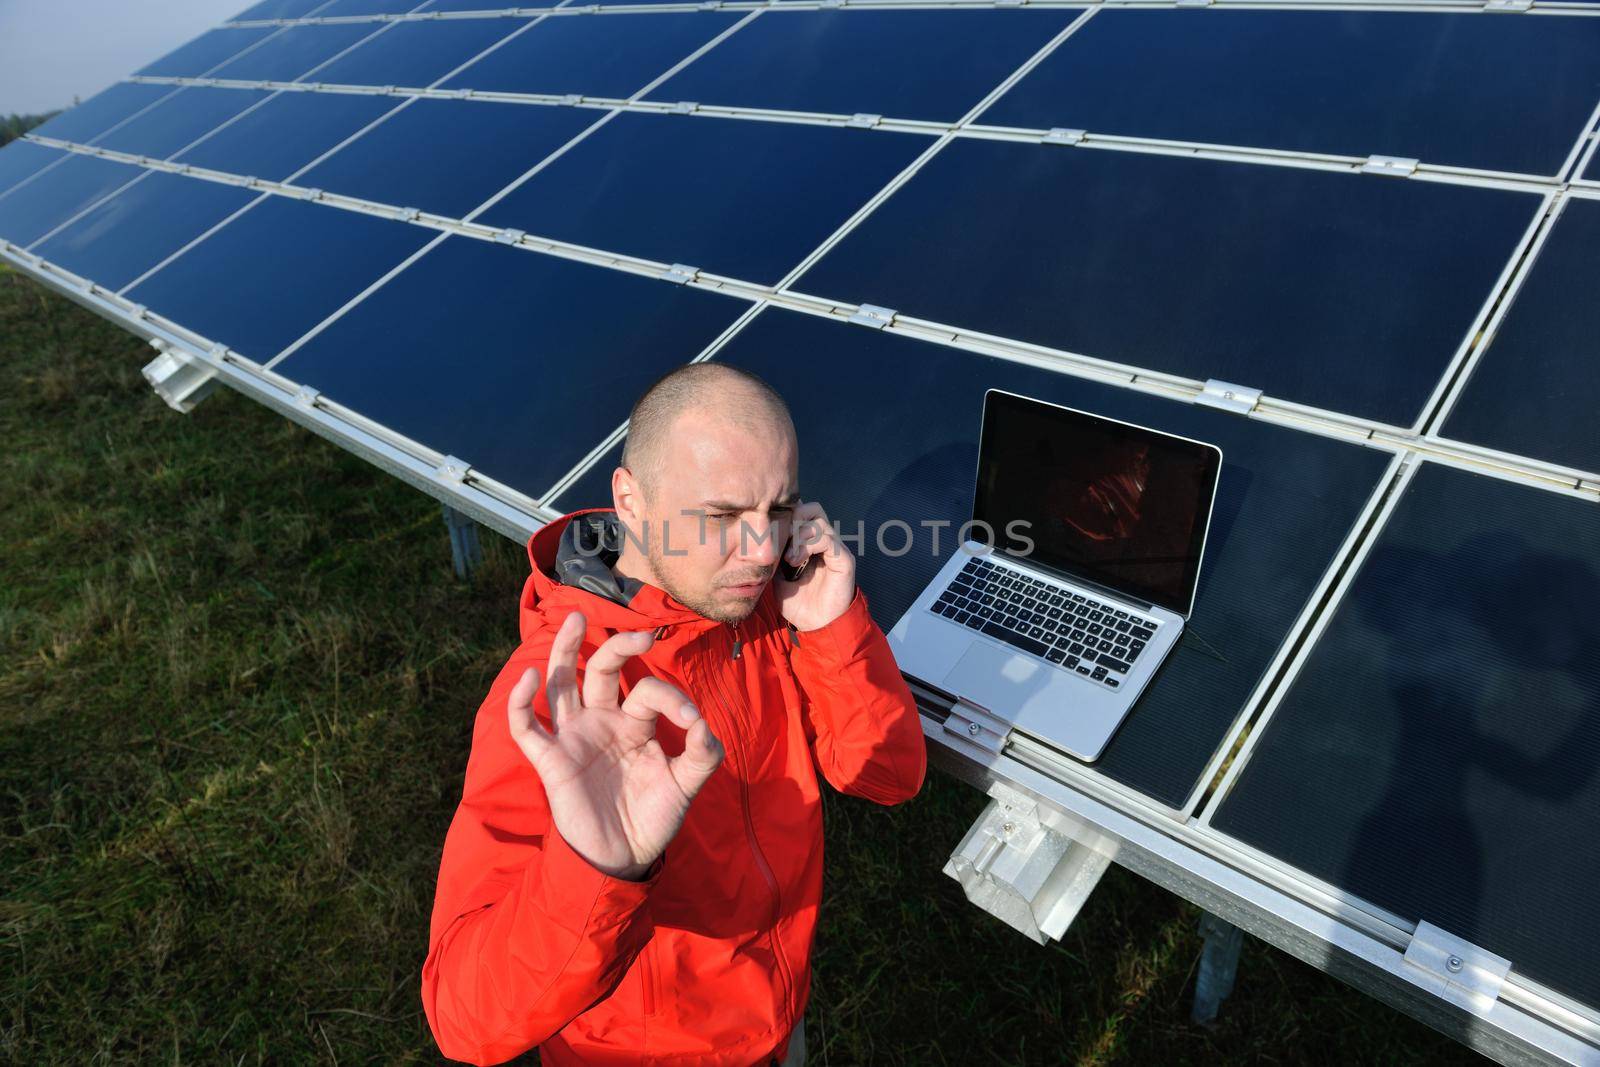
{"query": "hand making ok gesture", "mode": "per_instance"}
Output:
(614, 795)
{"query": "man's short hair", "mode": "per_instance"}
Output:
(730, 392)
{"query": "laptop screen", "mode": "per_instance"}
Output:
(1120, 505)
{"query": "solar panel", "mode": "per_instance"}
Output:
(501, 140)
(1286, 501)
(569, 367)
(280, 9)
(286, 133)
(276, 271)
(1346, 294)
(346, 8)
(21, 161)
(31, 210)
(928, 64)
(1537, 386)
(292, 52)
(1446, 89)
(125, 235)
(415, 53)
(178, 121)
(103, 112)
(205, 53)
(703, 191)
(1437, 755)
(611, 57)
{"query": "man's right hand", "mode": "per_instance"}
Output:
(614, 795)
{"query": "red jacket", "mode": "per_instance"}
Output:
(707, 961)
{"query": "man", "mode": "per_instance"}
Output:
(639, 880)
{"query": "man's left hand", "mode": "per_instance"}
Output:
(827, 585)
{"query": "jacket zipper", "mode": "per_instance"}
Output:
(784, 977)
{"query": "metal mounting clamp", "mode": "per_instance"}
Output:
(874, 316)
(1508, 6)
(681, 274)
(861, 120)
(1456, 970)
(684, 107)
(1390, 166)
(1058, 135)
(178, 377)
(1226, 396)
(452, 471)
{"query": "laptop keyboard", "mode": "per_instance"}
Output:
(1095, 639)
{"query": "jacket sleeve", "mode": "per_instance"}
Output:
(526, 934)
(867, 734)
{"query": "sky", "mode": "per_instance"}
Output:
(54, 50)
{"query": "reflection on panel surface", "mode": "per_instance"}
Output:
(473, 150)
(1439, 754)
(1536, 389)
(178, 121)
(1346, 292)
(513, 361)
(286, 133)
(933, 65)
(745, 199)
(98, 114)
(609, 56)
(888, 431)
(30, 211)
(276, 271)
(1461, 90)
(121, 238)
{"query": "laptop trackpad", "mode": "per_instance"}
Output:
(1000, 680)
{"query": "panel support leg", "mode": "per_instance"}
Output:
(465, 551)
(1219, 963)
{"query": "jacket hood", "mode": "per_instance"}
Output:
(571, 560)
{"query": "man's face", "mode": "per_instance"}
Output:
(718, 513)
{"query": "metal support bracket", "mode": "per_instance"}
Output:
(1390, 166)
(1032, 876)
(681, 274)
(1219, 965)
(1058, 135)
(452, 471)
(685, 107)
(862, 120)
(466, 551)
(1456, 970)
(179, 378)
(1239, 399)
(874, 316)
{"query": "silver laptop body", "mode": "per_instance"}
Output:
(1058, 635)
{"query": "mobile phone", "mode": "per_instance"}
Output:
(789, 571)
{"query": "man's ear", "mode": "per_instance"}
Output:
(627, 496)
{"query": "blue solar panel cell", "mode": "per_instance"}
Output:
(32, 210)
(280, 9)
(21, 160)
(703, 190)
(416, 54)
(276, 271)
(296, 51)
(532, 345)
(122, 237)
(179, 121)
(607, 56)
(500, 141)
(103, 112)
(1286, 501)
(1592, 171)
(917, 64)
(1437, 754)
(1346, 292)
(286, 133)
(1460, 90)
(205, 53)
(1536, 389)
(592, 488)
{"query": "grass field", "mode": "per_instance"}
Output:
(237, 680)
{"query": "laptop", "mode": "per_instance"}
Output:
(1074, 579)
